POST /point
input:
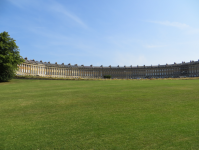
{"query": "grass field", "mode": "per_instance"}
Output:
(112, 115)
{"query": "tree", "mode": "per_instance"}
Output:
(107, 76)
(9, 57)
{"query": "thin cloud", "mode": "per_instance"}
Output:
(57, 7)
(122, 42)
(128, 59)
(16, 3)
(182, 26)
(173, 24)
(53, 6)
(193, 31)
(154, 46)
(21, 3)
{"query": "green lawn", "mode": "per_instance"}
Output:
(112, 115)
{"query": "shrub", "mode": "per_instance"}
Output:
(107, 76)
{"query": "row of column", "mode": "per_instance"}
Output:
(167, 71)
(194, 69)
(53, 71)
(72, 72)
(31, 69)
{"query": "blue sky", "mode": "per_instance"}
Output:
(104, 32)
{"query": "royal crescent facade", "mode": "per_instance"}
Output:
(47, 69)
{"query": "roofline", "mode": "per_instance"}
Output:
(106, 67)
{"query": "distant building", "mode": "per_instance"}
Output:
(47, 69)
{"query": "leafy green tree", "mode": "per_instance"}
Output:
(9, 57)
(107, 76)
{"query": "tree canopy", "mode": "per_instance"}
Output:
(9, 57)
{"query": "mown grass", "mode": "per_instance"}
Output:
(109, 114)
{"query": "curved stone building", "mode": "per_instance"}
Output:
(47, 69)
